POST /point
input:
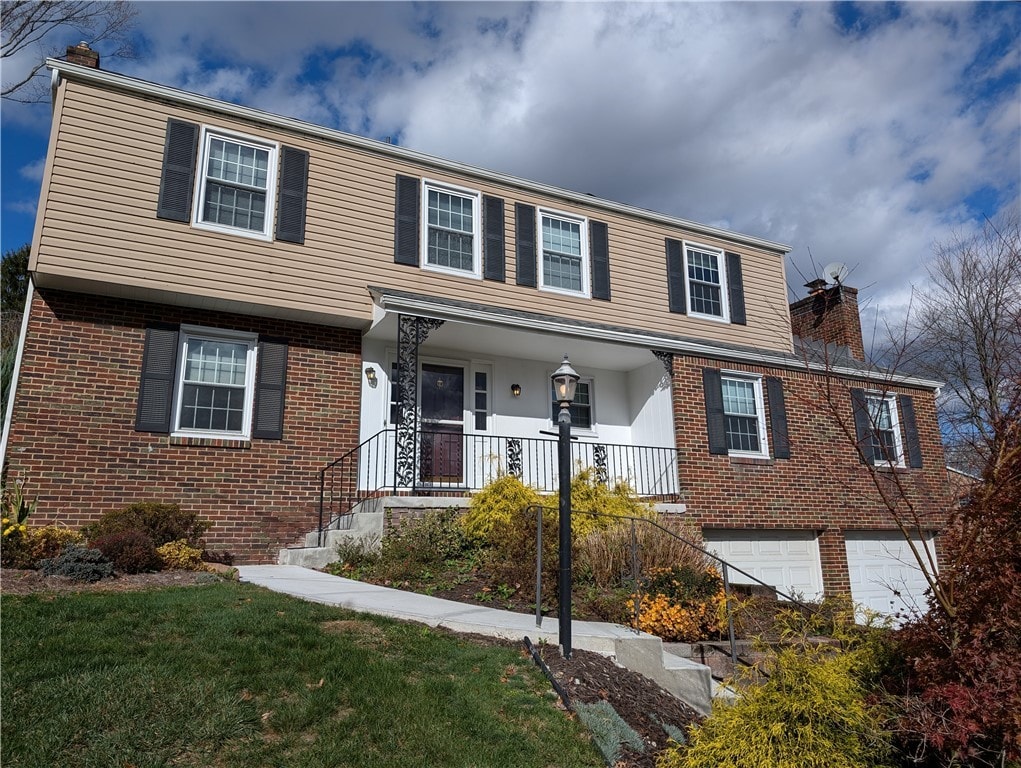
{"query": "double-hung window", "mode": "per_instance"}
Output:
(706, 282)
(582, 407)
(883, 446)
(451, 229)
(237, 185)
(744, 416)
(215, 383)
(564, 259)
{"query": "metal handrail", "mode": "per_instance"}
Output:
(372, 467)
(725, 568)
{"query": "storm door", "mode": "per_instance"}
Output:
(442, 437)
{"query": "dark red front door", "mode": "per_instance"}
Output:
(442, 443)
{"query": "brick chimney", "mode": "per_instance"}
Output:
(82, 54)
(829, 315)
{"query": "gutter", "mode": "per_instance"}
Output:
(293, 125)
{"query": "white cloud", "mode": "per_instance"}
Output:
(769, 118)
(33, 171)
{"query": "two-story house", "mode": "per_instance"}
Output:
(264, 320)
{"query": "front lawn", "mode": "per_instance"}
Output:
(233, 675)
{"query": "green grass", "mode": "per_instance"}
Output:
(233, 675)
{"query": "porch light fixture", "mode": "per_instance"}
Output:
(370, 375)
(516, 390)
(565, 382)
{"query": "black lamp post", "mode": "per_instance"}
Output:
(565, 381)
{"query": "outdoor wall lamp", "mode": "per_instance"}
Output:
(370, 375)
(565, 382)
(516, 390)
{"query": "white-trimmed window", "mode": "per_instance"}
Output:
(705, 280)
(564, 260)
(450, 229)
(884, 445)
(744, 415)
(215, 383)
(583, 413)
(237, 184)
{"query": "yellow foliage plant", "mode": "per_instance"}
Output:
(180, 555)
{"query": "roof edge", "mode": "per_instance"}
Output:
(441, 310)
(135, 85)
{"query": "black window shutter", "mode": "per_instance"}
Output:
(599, 248)
(406, 221)
(715, 423)
(270, 378)
(156, 385)
(492, 221)
(778, 418)
(675, 277)
(735, 289)
(178, 176)
(524, 216)
(293, 194)
(862, 424)
(906, 403)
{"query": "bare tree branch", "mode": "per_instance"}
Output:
(31, 28)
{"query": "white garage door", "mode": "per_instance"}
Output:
(884, 575)
(787, 560)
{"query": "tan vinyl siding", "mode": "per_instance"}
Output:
(100, 225)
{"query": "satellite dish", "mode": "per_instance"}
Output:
(836, 272)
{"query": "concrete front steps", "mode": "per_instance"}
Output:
(364, 525)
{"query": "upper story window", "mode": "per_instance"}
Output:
(215, 386)
(744, 415)
(451, 229)
(237, 182)
(582, 408)
(706, 282)
(564, 258)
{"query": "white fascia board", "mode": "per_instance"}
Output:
(437, 309)
(133, 85)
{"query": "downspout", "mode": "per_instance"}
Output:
(9, 412)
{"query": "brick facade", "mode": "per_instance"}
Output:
(73, 438)
(823, 486)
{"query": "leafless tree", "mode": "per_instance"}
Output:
(31, 28)
(967, 332)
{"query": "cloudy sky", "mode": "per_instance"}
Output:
(859, 133)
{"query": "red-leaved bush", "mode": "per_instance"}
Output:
(964, 664)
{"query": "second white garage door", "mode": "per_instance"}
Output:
(885, 576)
(785, 559)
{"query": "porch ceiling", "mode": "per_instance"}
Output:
(483, 340)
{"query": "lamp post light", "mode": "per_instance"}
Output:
(565, 381)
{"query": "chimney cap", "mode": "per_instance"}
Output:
(814, 286)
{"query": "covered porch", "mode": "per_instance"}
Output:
(454, 394)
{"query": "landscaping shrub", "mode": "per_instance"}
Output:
(962, 692)
(216, 556)
(78, 563)
(429, 540)
(48, 541)
(496, 507)
(180, 555)
(682, 604)
(590, 495)
(162, 523)
(130, 551)
(15, 549)
(606, 555)
(813, 711)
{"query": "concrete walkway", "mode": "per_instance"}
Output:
(635, 650)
